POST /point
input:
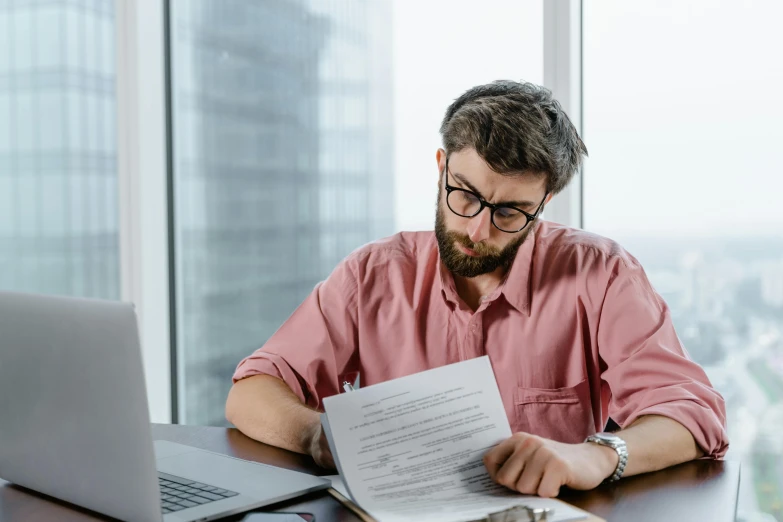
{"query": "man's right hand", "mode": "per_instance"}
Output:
(319, 448)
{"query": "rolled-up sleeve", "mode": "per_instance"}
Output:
(646, 367)
(316, 347)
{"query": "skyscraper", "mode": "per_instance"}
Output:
(278, 121)
(58, 174)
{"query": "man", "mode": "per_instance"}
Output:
(575, 333)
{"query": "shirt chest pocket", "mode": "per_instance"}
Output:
(561, 414)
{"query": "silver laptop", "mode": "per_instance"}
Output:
(74, 422)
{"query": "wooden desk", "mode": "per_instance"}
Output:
(696, 491)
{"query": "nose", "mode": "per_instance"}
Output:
(480, 225)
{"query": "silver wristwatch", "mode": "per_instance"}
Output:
(617, 444)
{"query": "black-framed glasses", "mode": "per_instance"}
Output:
(466, 203)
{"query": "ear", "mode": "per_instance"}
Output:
(548, 199)
(440, 156)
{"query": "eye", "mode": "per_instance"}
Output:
(468, 197)
(506, 212)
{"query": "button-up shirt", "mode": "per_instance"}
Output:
(575, 333)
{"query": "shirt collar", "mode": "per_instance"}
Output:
(515, 287)
(447, 287)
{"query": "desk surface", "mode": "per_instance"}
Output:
(701, 490)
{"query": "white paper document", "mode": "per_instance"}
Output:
(412, 448)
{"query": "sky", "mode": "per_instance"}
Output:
(682, 111)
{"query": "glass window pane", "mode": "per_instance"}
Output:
(684, 170)
(6, 143)
(58, 231)
(49, 36)
(5, 41)
(51, 110)
(22, 40)
(74, 38)
(333, 104)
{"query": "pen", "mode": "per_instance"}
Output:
(347, 386)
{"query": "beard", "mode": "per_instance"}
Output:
(489, 258)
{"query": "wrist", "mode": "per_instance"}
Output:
(606, 457)
(310, 434)
(618, 446)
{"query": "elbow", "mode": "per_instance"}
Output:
(233, 408)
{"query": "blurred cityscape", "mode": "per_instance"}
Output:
(726, 298)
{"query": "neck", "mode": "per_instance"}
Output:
(472, 289)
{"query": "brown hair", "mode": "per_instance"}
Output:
(516, 128)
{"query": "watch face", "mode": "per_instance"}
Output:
(608, 437)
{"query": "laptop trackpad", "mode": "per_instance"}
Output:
(256, 480)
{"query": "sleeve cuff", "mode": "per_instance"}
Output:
(264, 363)
(707, 429)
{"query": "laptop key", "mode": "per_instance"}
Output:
(209, 488)
(210, 495)
(177, 507)
(230, 494)
(172, 478)
(166, 510)
(187, 503)
(199, 500)
(219, 491)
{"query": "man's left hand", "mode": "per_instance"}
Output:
(538, 466)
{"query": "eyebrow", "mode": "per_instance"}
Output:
(459, 177)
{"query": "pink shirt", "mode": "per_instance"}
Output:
(576, 334)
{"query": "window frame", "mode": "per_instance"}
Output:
(563, 76)
(143, 192)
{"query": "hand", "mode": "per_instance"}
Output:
(537, 466)
(318, 447)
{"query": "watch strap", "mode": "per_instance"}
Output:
(617, 444)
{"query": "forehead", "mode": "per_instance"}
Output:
(470, 166)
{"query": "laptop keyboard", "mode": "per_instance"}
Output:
(177, 493)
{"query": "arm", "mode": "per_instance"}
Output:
(662, 399)
(649, 373)
(537, 466)
(654, 442)
(264, 408)
(279, 389)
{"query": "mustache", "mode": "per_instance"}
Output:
(481, 249)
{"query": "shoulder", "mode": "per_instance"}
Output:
(403, 251)
(588, 250)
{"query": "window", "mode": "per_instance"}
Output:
(58, 195)
(681, 117)
(323, 103)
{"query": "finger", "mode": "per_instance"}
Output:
(534, 469)
(554, 477)
(510, 471)
(495, 457)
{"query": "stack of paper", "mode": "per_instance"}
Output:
(412, 448)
